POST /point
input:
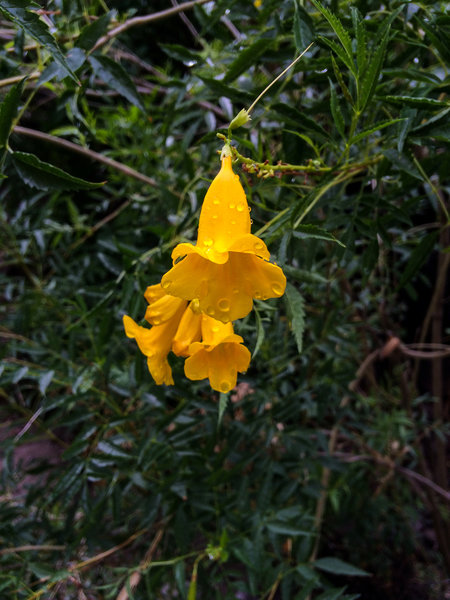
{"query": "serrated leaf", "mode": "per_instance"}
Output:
(246, 59)
(313, 231)
(45, 380)
(18, 12)
(338, 50)
(8, 111)
(336, 110)
(377, 127)
(45, 176)
(369, 79)
(341, 81)
(93, 31)
(418, 256)
(295, 304)
(361, 39)
(115, 76)
(300, 119)
(304, 32)
(337, 27)
(339, 567)
(416, 102)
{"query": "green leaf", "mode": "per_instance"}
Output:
(313, 231)
(438, 40)
(17, 12)
(339, 567)
(44, 176)
(336, 110)
(361, 39)
(418, 256)
(338, 50)
(304, 32)
(93, 31)
(369, 79)
(402, 163)
(295, 305)
(223, 401)
(337, 27)
(8, 111)
(376, 127)
(115, 76)
(300, 119)
(246, 59)
(45, 380)
(259, 333)
(341, 81)
(288, 530)
(416, 102)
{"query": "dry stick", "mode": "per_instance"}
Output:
(136, 576)
(17, 78)
(145, 19)
(86, 152)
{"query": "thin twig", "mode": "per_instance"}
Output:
(17, 78)
(86, 152)
(145, 19)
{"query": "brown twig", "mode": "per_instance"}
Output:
(85, 152)
(145, 20)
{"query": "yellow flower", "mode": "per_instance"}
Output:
(175, 327)
(228, 266)
(219, 356)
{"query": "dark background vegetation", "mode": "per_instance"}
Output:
(324, 474)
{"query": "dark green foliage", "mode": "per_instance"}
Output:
(322, 476)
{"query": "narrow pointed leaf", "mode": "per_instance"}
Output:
(115, 76)
(416, 102)
(92, 32)
(18, 12)
(304, 32)
(336, 110)
(370, 79)
(339, 567)
(296, 304)
(8, 111)
(376, 127)
(337, 27)
(45, 176)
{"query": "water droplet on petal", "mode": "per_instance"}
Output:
(233, 222)
(236, 176)
(257, 294)
(225, 386)
(258, 246)
(232, 205)
(277, 289)
(224, 304)
(216, 201)
(215, 329)
(251, 221)
(210, 311)
(240, 207)
(207, 242)
(166, 284)
(215, 217)
(156, 320)
(235, 291)
(249, 209)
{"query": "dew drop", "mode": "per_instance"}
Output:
(210, 311)
(215, 329)
(236, 176)
(277, 289)
(257, 294)
(235, 291)
(251, 221)
(207, 242)
(216, 201)
(233, 222)
(215, 217)
(232, 205)
(258, 246)
(249, 209)
(224, 304)
(225, 386)
(166, 284)
(240, 207)
(156, 320)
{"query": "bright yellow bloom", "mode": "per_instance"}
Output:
(175, 327)
(228, 266)
(218, 357)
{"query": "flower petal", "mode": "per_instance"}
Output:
(163, 309)
(188, 332)
(225, 215)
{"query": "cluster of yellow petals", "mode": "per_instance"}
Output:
(212, 348)
(220, 276)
